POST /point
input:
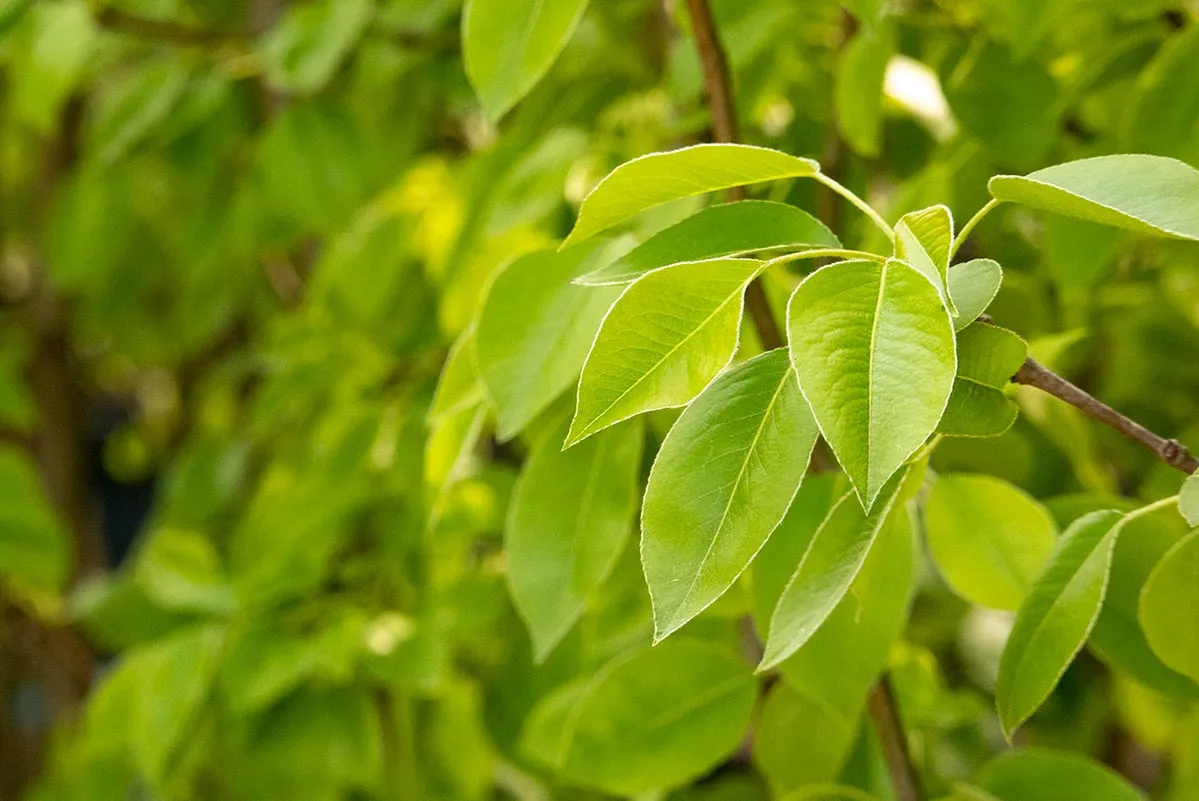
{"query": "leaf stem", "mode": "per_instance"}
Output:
(893, 740)
(862, 205)
(970, 224)
(1034, 374)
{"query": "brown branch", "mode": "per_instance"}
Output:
(885, 713)
(1034, 374)
(719, 88)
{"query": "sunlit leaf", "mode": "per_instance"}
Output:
(988, 357)
(1171, 592)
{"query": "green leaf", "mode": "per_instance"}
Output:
(829, 566)
(570, 515)
(874, 350)
(730, 229)
(650, 721)
(1161, 119)
(973, 285)
(1188, 499)
(656, 178)
(1147, 194)
(181, 570)
(49, 63)
(137, 106)
(858, 87)
(722, 481)
(793, 723)
(988, 538)
(1056, 617)
(535, 329)
(923, 239)
(662, 342)
(460, 386)
(304, 49)
(35, 548)
(988, 357)
(509, 45)
(1170, 596)
(1038, 774)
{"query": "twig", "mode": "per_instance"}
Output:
(718, 87)
(1034, 374)
(894, 742)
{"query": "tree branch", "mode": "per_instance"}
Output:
(1034, 374)
(718, 87)
(885, 713)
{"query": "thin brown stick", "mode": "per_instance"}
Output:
(1034, 374)
(885, 713)
(719, 88)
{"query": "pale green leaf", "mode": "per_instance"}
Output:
(988, 538)
(1168, 602)
(535, 329)
(1056, 617)
(49, 63)
(509, 45)
(656, 178)
(1162, 119)
(570, 515)
(1147, 194)
(1188, 499)
(180, 569)
(973, 285)
(829, 566)
(923, 239)
(988, 357)
(874, 350)
(662, 342)
(460, 385)
(650, 721)
(794, 723)
(730, 229)
(1038, 774)
(722, 481)
(35, 548)
(858, 87)
(304, 49)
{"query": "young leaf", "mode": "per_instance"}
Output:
(858, 87)
(972, 286)
(650, 180)
(1038, 774)
(508, 45)
(535, 328)
(1147, 194)
(923, 239)
(650, 721)
(988, 538)
(570, 515)
(829, 566)
(1056, 617)
(1168, 601)
(726, 230)
(988, 357)
(722, 481)
(874, 350)
(1188, 499)
(662, 342)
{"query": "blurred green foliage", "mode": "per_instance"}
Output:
(257, 228)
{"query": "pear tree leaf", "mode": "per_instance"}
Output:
(1151, 195)
(648, 721)
(923, 239)
(1160, 120)
(988, 357)
(535, 328)
(1039, 774)
(730, 229)
(460, 386)
(1168, 601)
(570, 515)
(509, 45)
(972, 286)
(874, 350)
(304, 49)
(1056, 617)
(35, 547)
(858, 87)
(656, 178)
(1188, 499)
(988, 538)
(829, 566)
(666, 337)
(721, 483)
